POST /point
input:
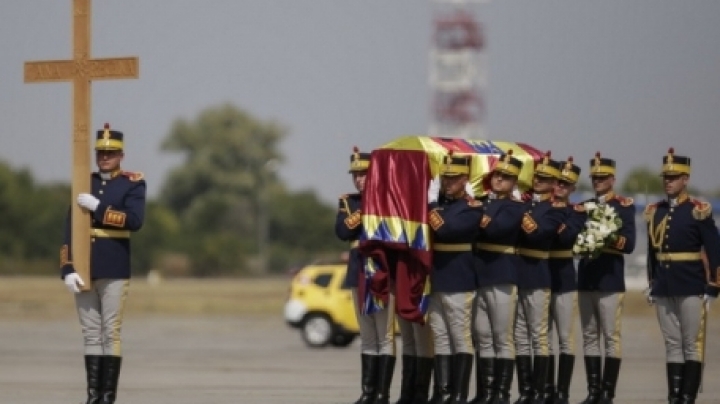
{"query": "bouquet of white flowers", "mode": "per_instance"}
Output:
(601, 230)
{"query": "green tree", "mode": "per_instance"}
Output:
(643, 180)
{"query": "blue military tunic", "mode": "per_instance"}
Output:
(496, 241)
(121, 210)
(563, 275)
(348, 227)
(606, 273)
(540, 224)
(455, 225)
(676, 235)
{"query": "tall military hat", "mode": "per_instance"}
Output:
(570, 171)
(108, 139)
(548, 167)
(455, 165)
(359, 161)
(601, 166)
(507, 164)
(675, 165)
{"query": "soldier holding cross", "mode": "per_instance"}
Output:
(117, 208)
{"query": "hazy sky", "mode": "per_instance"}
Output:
(629, 78)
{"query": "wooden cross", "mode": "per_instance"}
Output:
(81, 70)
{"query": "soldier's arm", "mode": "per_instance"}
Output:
(625, 242)
(711, 244)
(347, 223)
(130, 216)
(543, 226)
(459, 223)
(571, 227)
(66, 265)
(505, 221)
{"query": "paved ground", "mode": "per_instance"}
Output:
(191, 360)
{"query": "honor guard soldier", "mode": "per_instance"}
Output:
(541, 222)
(117, 208)
(455, 220)
(601, 286)
(563, 300)
(496, 266)
(376, 331)
(678, 230)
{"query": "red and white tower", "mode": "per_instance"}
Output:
(457, 70)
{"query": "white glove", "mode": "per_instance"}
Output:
(88, 202)
(708, 301)
(469, 189)
(72, 280)
(648, 296)
(434, 190)
(516, 193)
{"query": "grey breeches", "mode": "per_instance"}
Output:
(563, 311)
(682, 322)
(450, 316)
(376, 330)
(531, 322)
(416, 339)
(100, 311)
(494, 318)
(601, 315)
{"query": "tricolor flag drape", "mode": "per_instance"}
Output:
(395, 239)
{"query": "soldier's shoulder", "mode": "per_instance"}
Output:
(134, 176)
(625, 201)
(701, 209)
(650, 210)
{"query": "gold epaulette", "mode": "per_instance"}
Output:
(625, 201)
(649, 211)
(702, 210)
(133, 176)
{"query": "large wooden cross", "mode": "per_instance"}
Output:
(81, 70)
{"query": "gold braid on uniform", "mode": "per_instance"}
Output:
(65, 256)
(702, 210)
(114, 218)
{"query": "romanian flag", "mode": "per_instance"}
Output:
(395, 239)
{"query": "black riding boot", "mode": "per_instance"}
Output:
(484, 378)
(610, 377)
(674, 381)
(443, 377)
(504, 369)
(407, 385)
(386, 366)
(691, 382)
(424, 369)
(549, 390)
(462, 368)
(539, 378)
(110, 377)
(593, 370)
(93, 371)
(565, 371)
(368, 378)
(524, 374)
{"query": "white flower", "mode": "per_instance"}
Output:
(602, 223)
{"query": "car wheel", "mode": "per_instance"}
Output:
(343, 340)
(317, 330)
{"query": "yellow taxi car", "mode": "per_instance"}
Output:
(320, 308)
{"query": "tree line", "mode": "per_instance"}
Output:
(222, 211)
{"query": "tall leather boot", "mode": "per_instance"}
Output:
(110, 377)
(368, 378)
(549, 390)
(524, 374)
(93, 371)
(443, 378)
(407, 385)
(593, 369)
(674, 381)
(462, 368)
(504, 369)
(539, 378)
(484, 379)
(609, 382)
(386, 366)
(565, 371)
(691, 382)
(423, 376)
